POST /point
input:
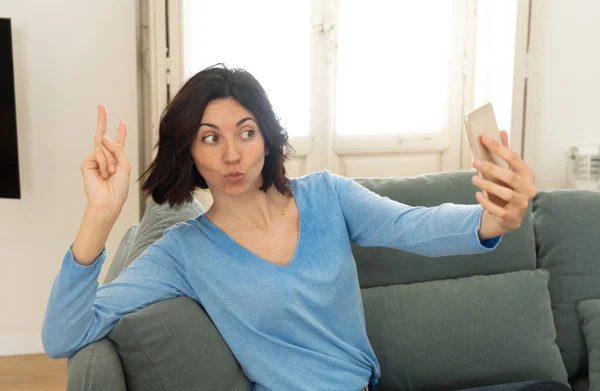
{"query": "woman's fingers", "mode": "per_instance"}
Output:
(488, 205)
(503, 192)
(100, 126)
(115, 150)
(108, 154)
(106, 160)
(511, 157)
(513, 179)
(121, 134)
(504, 137)
(101, 162)
(111, 162)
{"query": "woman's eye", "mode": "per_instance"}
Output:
(207, 137)
(249, 130)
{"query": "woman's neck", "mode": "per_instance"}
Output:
(258, 210)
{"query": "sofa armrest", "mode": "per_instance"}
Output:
(96, 367)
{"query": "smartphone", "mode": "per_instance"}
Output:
(479, 122)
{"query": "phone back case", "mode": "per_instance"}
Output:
(479, 122)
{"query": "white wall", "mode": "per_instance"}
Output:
(569, 96)
(69, 56)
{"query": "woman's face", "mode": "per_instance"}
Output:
(229, 140)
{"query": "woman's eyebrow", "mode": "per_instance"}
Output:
(240, 122)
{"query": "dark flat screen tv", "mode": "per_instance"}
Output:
(10, 186)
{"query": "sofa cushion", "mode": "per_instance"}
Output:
(380, 266)
(156, 220)
(589, 312)
(567, 223)
(173, 345)
(116, 266)
(465, 332)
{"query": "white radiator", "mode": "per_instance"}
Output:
(584, 167)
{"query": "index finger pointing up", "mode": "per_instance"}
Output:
(100, 126)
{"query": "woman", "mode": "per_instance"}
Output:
(271, 260)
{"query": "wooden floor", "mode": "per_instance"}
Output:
(36, 372)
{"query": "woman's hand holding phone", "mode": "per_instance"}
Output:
(511, 187)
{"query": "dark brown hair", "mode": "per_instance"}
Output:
(172, 177)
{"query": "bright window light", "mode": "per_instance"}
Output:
(495, 57)
(268, 38)
(392, 70)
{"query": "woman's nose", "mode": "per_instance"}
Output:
(231, 154)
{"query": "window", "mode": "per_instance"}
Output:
(394, 61)
(268, 38)
(494, 64)
(393, 66)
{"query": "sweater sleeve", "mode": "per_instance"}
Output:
(373, 220)
(80, 312)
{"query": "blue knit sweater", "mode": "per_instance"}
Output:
(295, 327)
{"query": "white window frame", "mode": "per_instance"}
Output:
(163, 72)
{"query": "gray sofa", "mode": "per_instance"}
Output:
(520, 312)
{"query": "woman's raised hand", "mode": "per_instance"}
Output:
(106, 170)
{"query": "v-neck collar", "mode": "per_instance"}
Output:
(238, 249)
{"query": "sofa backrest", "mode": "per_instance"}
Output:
(567, 231)
(378, 266)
